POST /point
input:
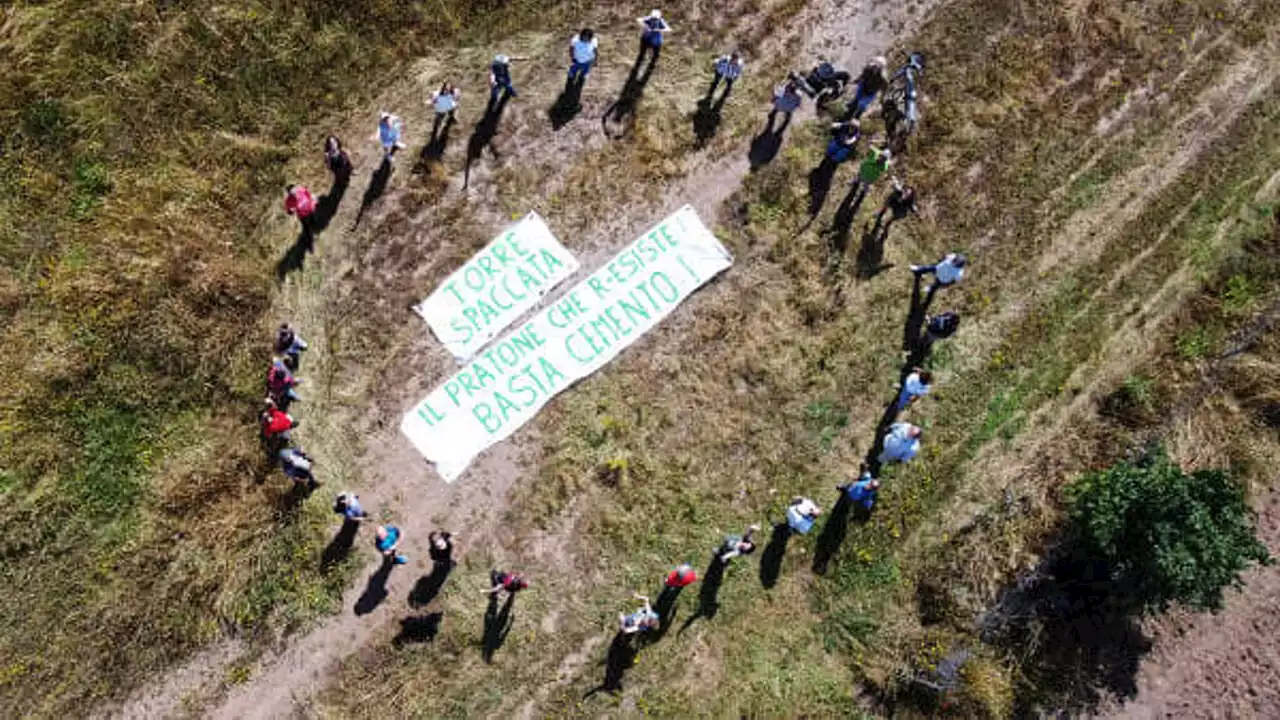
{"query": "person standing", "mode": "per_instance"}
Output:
(801, 514)
(281, 383)
(582, 54)
(642, 620)
(786, 100)
(735, 545)
(872, 168)
(916, 386)
(289, 345)
(508, 581)
(901, 443)
(297, 465)
(871, 82)
(947, 271)
(683, 576)
(387, 540)
(445, 103)
(843, 143)
(390, 129)
(348, 506)
(440, 547)
(655, 30)
(862, 492)
(337, 160)
(500, 79)
(900, 203)
(727, 68)
(275, 423)
(299, 202)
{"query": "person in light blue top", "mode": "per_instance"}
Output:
(582, 54)
(916, 386)
(902, 443)
(801, 514)
(389, 130)
(947, 271)
(642, 620)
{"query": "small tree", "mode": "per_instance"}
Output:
(1164, 535)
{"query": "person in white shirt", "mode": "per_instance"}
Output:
(582, 54)
(727, 68)
(901, 443)
(445, 102)
(916, 386)
(948, 271)
(801, 514)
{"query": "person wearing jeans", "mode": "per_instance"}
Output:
(387, 541)
(500, 79)
(727, 68)
(871, 82)
(655, 29)
(582, 54)
(947, 271)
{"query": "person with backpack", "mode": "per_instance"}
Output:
(655, 30)
(916, 386)
(509, 581)
(862, 492)
(297, 465)
(299, 202)
(347, 504)
(843, 143)
(337, 160)
(582, 54)
(786, 100)
(390, 129)
(901, 443)
(500, 79)
(387, 541)
(735, 545)
(281, 383)
(289, 345)
(727, 68)
(642, 620)
(871, 82)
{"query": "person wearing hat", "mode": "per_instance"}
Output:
(871, 82)
(874, 166)
(655, 28)
(500, 78)
(389, 129)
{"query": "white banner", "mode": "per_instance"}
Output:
(496, 286)
(505, 386)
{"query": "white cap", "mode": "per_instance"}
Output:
(656, 14)
(383, 115)
(884, 153)
(879, 61)
(501, 59)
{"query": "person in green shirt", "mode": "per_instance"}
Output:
(874, 166)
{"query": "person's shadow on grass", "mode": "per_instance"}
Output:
(832, 536)
(771, 558)
(339, 548)
(485, 132)
(706, 121)
(568, 104)
(623, 110)
(418, 629)
(842, 224)
(820, 179)
(619, 659)
(497, 624)
(377, 186)
(296, 256)
(870, 260)
(708, 593)
(765, 146)
(429, 586)
(433, 151)
(376, 591)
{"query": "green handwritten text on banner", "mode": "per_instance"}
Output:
(504, 386)
(496, 286)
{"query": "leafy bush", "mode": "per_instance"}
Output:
(1165, 536)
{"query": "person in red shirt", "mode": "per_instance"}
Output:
(298, 201)
(509, 581)
(683, 576)
(276, 424)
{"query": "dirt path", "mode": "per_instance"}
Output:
(394, 475)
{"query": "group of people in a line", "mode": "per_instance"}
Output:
(275, 422)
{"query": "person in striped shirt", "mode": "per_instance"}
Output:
(727, 68)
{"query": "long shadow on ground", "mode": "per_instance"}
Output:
(771, 558)
(418, 629)
(429, 586)
(497, 624)
(623, 110)
(708, 593)
(483, 135)
(765, 146)
(377, 186)
(340, 547)
(376, 591)
(568, 104)
(619, 659)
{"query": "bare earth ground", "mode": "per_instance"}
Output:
(395, 256)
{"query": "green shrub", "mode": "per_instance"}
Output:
(1166, 536)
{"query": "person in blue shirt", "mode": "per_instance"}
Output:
(500, 79)
(348, 506)
(390, 128)
(801, 514)
(655, 28)
(902, 443)
(387, 541)
(862, 492)
(582, 54)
